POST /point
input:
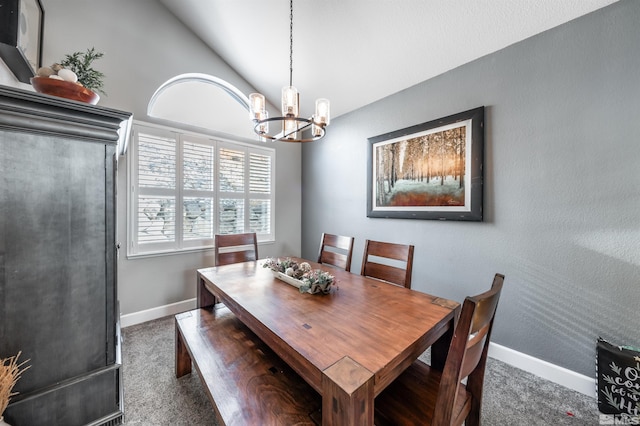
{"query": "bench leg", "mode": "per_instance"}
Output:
(183, 360)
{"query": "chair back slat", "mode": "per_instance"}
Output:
(388, 273)
(336, 250)
(235, 248)
(486, 304)
(389, 250)
(336, 259)
(235, 257)
(474, 352)
(375, 251)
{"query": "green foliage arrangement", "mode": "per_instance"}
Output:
(311, 280)
(80, 63)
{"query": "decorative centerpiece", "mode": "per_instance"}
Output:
(302, 276)
(72, 78)
(10, 372)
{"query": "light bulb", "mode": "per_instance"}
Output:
(322, 112)
(289, 101)
(256, 106)
(290, 127)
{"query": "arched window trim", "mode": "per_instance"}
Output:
(230, 89)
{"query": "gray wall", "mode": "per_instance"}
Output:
(144, 46)
(562, 188)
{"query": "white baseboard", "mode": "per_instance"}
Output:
(546, 370)
(560, 375)
(155, 313)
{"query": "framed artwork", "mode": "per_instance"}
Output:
(21, 28)
(431, 170)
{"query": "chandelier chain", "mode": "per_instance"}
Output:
(291, 43)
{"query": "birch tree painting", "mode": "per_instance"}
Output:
(428, 170)
(432, 170)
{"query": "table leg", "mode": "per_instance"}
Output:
(347, 394)
(204, 298)
(440, 349)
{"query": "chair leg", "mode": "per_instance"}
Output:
(474, 386)
(473, 419)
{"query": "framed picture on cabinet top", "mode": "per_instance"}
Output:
(21, 30)
(431, 170)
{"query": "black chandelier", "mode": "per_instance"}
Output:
(291, 128)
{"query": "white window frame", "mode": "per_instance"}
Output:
(135, 249)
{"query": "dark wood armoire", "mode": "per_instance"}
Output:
(58, 301)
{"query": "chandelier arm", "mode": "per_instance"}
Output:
(283, 136)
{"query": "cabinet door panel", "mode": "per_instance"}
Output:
(54, 259)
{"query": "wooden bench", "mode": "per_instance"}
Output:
(247, 383)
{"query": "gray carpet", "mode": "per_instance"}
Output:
(154, 397)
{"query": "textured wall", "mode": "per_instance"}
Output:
(562, 188)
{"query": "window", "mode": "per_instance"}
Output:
(185, 187)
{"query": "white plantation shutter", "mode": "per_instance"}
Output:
(232, 170)
(198, 165)
(198, 218)
(186, 187)
(231, 216)
(156, 219)
(259, 174)
(156, 162)
(156, 188)
(260, 193)
(231, 177)
(198, 161)
(260, 218)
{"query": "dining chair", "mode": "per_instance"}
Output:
(235, 248)
(387, 271)
(426, 396)
(336, 250)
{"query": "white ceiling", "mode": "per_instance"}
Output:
(354, 52)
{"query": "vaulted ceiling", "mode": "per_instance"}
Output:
(354, 52)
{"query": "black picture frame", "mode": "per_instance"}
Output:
(21, 32)
(432, 170)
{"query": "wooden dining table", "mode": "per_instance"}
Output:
(348, 344)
